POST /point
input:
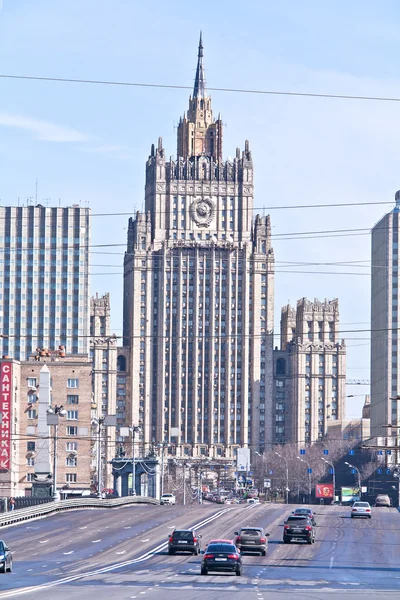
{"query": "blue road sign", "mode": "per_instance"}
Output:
(353, 471)
(302, 451)
(388, 452)
(330, 471)
(309, 470)
(379, 471)
(250, 473)
(388, 471)
(351, 452)
(326, 452)
(271, 472)
(379, 453)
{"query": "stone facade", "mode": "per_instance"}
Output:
(309, 372)
(198, 296)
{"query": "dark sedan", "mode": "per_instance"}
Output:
(5, 558)
(305, 512)
(298, 528)
(221, 557)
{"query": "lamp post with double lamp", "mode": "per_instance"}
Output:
(358, 475)
(162, 445)
(53, 415)
(287, 476)
(309, 471)
(134, 429)
(328, 462)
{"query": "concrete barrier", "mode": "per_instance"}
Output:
(42, 510)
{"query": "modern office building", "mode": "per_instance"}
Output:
(198, 295)
(385, 356)
(44, 279)
(309, 372)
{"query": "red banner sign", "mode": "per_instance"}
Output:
(324, 490)
(5, 414)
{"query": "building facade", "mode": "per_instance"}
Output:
(309, 372)
(198, 295)
(385, 357)
(44, 279)
(71, 387)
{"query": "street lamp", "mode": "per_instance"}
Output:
(53, 415)
(287, 475)
(309, 477)
(134, 429)
(358, 475)
(328, 462)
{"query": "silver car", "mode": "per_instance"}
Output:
(361, 509)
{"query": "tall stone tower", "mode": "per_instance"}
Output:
(198, 295)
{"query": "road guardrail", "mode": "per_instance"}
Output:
(42, 510)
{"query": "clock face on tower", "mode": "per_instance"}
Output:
(202, 211)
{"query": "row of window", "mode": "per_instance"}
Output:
(71, 383)
(69, 477)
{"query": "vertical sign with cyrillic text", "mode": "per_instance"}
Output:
(5, 411)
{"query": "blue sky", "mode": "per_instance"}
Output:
(89, 143)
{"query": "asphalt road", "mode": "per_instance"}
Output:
(121, 553)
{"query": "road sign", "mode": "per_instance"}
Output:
(388, 471)
(379, 453)
(364, 489)
(326, 452)
(267, 483)
(302, 451)
(379, 471)
(353, 471)
(351, 452)
(309, 470)
(388, 452)
(330, 471)
(250, 473)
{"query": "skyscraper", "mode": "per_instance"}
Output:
(198, 295)
(44, 279)
(385, 359)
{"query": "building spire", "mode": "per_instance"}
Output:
(199, 90)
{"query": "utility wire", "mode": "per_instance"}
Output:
(211, 89)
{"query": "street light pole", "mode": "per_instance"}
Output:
(358, 475)
(53, 415)
(309, 477)
(134, 430)
(287, 476)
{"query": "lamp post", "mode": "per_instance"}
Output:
(162, 445)
(134, 429)
(358, 474)
(309, 477)
(287, 475)
(328, 462)
(53, 415)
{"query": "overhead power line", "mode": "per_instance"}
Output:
(211, 89)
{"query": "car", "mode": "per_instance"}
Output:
(382, 500)
(298, 528)
(221, 556)
(253, 500)
(361, 509)
(184, 540)
(168, 499)
(307, 512)
(220, 541)
(252, 539)
(6, 562)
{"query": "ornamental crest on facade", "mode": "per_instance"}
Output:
(202, 211)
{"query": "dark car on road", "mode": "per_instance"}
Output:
(221, 556)
(298, 528)
(305, 512)
(6, 562)
(184, 540)
(252, 539)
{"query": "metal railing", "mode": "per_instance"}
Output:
(42, 510)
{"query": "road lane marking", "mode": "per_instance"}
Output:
(146, 540)
(139, 559)
(70, 552)
(331, 562)
(83, 527)
(96, 541)
(43, 541)
(122, 552)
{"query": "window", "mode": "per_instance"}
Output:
(72, 446)
(72, 399)
(70, 477)
(71, 461)
(73, 383)
(72, 430)
(30, 446)
(29, 476)
(30, 461)
(281, 366)
(72, 415)
(32, 382)
(32, 414)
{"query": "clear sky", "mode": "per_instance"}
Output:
(88, 143)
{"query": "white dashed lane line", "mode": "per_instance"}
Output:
(70, 552)
(96, 541)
